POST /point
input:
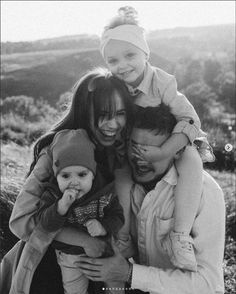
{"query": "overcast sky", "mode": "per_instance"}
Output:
(33, 20)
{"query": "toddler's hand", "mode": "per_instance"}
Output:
(66, 201)
(151, 153)
(95, 228)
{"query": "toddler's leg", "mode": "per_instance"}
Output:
(179, 243)
(188, 190)
(74, 282)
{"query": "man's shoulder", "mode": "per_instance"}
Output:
(211, 187)
(208, 179)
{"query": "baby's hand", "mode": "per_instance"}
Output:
(66, 201)
(95, 228)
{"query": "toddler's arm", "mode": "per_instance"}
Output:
(188, 124)
(188, 120)
(51, 213)
(170, 147)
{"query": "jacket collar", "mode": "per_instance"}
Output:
(171, 177)
(145, 85)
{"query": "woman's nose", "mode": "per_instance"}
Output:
(112, 123)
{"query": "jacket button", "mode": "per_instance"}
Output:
(191, 121)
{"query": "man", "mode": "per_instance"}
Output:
(152, 207)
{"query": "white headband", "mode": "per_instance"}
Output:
(129, 33)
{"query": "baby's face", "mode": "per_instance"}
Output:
(125, 61)
(75, 177)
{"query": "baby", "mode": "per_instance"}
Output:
(77, 198)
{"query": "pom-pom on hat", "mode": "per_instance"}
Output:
(70, 148)
(125, 27)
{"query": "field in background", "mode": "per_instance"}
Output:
(15, 161)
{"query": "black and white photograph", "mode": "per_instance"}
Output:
(118, 146)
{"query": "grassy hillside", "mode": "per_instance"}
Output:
(49, 74)
(48, 68)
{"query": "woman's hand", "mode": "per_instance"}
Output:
(113, 268)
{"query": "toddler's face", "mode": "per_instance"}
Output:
(125, 61)
(75, 177)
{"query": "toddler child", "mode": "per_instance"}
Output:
(77, 198)
(126, 53)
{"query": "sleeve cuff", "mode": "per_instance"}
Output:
(55, 221)
(189, 129)
(146, 279)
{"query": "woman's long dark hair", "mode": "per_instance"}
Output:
(92, 93)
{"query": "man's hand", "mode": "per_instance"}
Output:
(66, 201)
(95, 228)
(113, 268)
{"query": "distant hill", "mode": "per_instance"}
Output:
(47, 68)
(224, 31)
(49, 74)
(59, 43)
(216, 35)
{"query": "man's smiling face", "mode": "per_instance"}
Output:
(142, 170)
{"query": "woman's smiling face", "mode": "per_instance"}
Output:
(109, 124)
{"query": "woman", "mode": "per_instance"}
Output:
(101, 105)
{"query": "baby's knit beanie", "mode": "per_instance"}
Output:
(70, 148)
